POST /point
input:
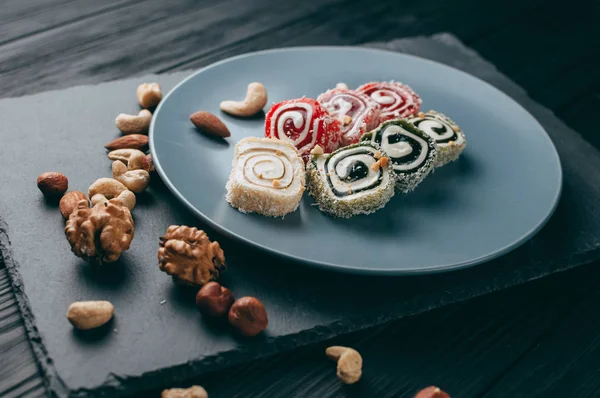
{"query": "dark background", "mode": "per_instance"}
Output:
(538, 339)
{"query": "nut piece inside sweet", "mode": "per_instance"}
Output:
(248, 316)
(214, 299)
(349, 363)
(52, 184)
(192, 392)
(86, 315)
(432, 392)
(189, 256)
(101, 233)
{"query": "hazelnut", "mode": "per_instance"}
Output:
(214, 299)
(52, 184)
(432, 392)
(248, 316)
(69, 201)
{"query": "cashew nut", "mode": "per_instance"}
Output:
(133, 158)
(342, 85)
(149, 94)
(135, 180)
(349, 363)
(127, 199)
(105, 189)
(134, 124)
(256, 99)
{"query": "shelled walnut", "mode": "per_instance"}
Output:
(101, 233)
(189, 256)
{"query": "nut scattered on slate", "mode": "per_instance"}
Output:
(69, 201)
(101, 233)
(133, 141)
(86, 315)
(349, 363)
(189, 256)
(210, 124)
(248, 316)
(149, 94)
(192, 392)
(134, 124)
(214, 300)
(432, 392)
(52, 184)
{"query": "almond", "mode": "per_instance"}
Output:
(132, 141)
(90, 314)
(149, 164)
(69, 201)
(52, 183)
(210, 124)
(432, 392)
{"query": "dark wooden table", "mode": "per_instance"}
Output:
(537, 339)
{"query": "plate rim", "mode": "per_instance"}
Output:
(348, 268)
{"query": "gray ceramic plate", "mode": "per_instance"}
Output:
(496, 196)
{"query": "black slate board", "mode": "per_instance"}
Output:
(150, 344)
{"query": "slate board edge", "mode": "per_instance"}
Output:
(117, 385)
(155, 379)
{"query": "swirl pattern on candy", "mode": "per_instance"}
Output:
(396, 100)
(449, 139)
(356, 112)
(267, 177)
(411, 151)
(356, 179)
(304, 124)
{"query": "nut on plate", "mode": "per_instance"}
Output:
(149, 94)
(189, 256)
(210, 124)
(349, 363)
(214, 300)
(432, 392)
(192, 392)
(134, 124)
(86, 315)
(248, 316)
(52, 184)
(101, 233)
(255, 101)
(69, 201)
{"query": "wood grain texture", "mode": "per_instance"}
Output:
(463, 348)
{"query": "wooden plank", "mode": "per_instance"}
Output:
(563, 364)
(463, 348)
(19, 375)
(125, 42)
(20, 19)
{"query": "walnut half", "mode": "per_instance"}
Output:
(189, 256)
(101, 233)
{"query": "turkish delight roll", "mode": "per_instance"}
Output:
(411, 151)
(356, 112)
(397, 100)
(304, 123)
(267, 177)
(449, 138)
(356, 179)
